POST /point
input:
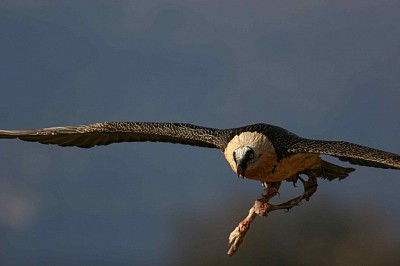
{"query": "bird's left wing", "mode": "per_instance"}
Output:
(87, 136)
(350, 152)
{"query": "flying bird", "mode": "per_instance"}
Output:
(262, 152)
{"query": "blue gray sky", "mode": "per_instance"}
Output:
(322, 69)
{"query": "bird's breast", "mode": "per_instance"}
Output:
(271, 170)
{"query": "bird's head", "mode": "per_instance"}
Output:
(248, 153)
(245, 157)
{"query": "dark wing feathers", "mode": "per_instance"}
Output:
(285, 142)
(349, 152)
(113, 132)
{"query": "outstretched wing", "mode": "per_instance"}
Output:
(87, 136)
(350, 152)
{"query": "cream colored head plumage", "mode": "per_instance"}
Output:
(253, 143)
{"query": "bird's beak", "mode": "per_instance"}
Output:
(241, 168)
(241, 157)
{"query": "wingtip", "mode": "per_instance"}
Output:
(7, 134)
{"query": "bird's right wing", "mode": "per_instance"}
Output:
(350, 152)
(87, 136)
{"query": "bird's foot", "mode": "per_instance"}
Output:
(310, 186)
(293, 179)
(262, 205)
(271, 189)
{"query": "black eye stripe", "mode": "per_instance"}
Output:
(249, 152)
(249, 155)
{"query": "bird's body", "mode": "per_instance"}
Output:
(259, 152)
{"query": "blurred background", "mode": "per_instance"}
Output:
(321, 69)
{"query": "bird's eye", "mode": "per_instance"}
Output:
(251, 155)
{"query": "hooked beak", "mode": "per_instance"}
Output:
(241, 156)
(241, 168)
